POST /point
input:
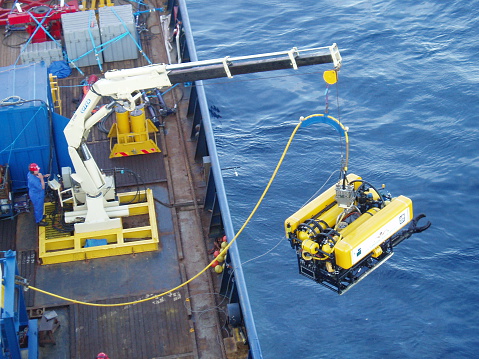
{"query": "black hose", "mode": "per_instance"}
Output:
(138, 180)
(163, 203)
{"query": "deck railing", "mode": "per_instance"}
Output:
(206, 129)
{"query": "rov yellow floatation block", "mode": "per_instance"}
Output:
(362, 239)
(317, 205)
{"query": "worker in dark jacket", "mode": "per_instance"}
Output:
(36, 191)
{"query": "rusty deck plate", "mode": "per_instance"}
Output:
(152, 329)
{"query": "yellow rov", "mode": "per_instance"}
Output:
(349, 230)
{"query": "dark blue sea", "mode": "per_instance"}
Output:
(408, 91)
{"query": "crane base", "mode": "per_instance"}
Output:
(56, 247)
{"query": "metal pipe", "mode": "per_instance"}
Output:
(254, 344)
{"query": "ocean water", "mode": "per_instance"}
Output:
(408, 91)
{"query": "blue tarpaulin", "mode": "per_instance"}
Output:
(60, 69)
(25, 122)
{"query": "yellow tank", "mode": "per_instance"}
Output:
(363, 238)
(327, 248)
(122, 120)
(316, 206)
(310, 246)
(326, 220)
(138, 125)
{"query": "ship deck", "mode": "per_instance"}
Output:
(178, 325)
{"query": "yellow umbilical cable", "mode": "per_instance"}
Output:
(223, 251)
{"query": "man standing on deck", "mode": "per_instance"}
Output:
(36, 191)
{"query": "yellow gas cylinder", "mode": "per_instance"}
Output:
(122, 120)
(138, 125)
(310, 246)
(325, 220)
(303, 235)
(327, 248)
(328, 218)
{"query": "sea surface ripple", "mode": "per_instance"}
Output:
(408, 91)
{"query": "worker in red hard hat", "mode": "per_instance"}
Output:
(102, 356)
(36, 191)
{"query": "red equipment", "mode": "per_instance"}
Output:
(47, 15)
(89, 83)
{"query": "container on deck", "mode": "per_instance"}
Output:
(25, 121)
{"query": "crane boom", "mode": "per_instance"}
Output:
(125, 86)
(238, 66)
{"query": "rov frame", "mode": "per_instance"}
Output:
(342, 280)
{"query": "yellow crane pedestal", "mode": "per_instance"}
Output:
(55, 247)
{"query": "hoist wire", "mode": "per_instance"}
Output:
(339, 121)
(222, 253)
(320, 189)
(343, 162)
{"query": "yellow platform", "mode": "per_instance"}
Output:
(55, 247)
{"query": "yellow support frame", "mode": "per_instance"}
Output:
(55, 89)
(94, 6)
(126, 144)
(61, 249)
